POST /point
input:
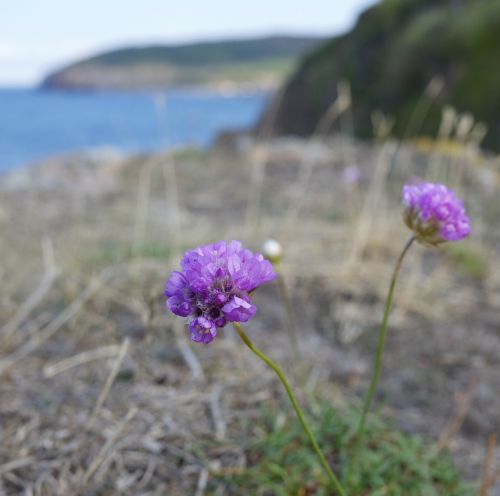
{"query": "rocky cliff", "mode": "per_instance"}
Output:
(389, 59)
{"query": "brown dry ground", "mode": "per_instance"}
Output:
(102, 393)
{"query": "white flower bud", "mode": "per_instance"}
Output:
(272, 250)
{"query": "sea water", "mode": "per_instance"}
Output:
(35, 124)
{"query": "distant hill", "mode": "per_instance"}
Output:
(389, 58)
(254, 62)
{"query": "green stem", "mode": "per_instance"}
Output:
(298, 411)
(381, 343)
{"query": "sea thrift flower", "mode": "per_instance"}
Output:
(351, 174)
(434, 213)
(214, 287)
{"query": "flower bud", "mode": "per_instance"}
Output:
(272, 250)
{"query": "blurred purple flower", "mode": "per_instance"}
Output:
(214, 287)
(351, 174)
(434, 213)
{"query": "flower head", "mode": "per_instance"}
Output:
(434, 213)
(351, 174)
(214, 287)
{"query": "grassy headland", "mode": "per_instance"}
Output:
(261, 62)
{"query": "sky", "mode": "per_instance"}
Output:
(37, 36)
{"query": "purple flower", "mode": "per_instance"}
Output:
(214, 287)
(351, 174)
(434, 213)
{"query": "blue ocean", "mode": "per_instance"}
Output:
(35, 124)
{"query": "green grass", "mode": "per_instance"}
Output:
(247, 71)
(468, 259)
(279, 461)
(114, 253)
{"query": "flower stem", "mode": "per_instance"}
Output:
(298, 411)
(290, 318)
(380, 346)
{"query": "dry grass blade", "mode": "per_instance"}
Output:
(142, 207)
(50, 275)
(16, 464)
(187, 354)
(488, 476)
(220, 425)
(83, 358)
(103, 453)
(111, 378)
(462, 406)
(202, 482)
(372, 205)
(252, 217)
(340, 105)
(172, 195)
(291, 326)
(335, 110)
(252, 214)
(55, 325)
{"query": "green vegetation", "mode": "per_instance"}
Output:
(255, 61)
(208, 53)
(469, 259)
(116, 253)
(389, 59)
(281, 463)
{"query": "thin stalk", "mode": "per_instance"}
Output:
(380, 348)
(296, 407)
(290, 317)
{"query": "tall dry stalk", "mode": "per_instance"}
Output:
(174, 232)
(258, 170)
(142, 205)
(373, 205)
(339, 106)
(422, 107)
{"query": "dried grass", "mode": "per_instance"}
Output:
(100, 391)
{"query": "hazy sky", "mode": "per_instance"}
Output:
(39, 35)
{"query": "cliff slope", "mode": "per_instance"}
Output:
(389, 58)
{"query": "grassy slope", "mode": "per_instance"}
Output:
(240, 61)
(127, 222)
